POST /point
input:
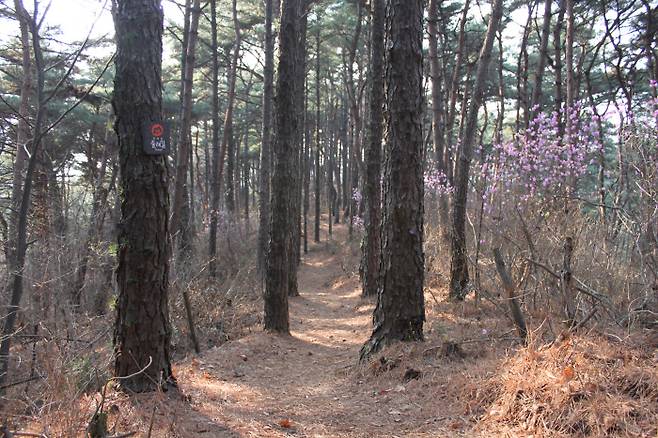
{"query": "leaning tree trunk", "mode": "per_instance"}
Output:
(142, 333)
(400, 311)
(459, 263)
(372, 192)
(286, 150)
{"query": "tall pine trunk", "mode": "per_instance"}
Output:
(227, 135)
(142, 332)
(316, 223)
(372, 192)
(459, 263)
(265, 151)
(18, 247)
(543, 57)
(215, 185)
(286, 152)
(181, 209)
(400, 311)
(438, 113)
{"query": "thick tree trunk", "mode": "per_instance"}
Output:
(142, 333)
(459, 264)
(286, 151)
(372, 193)
(400, 311)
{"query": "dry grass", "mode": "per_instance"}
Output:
(593, 385)
(471, 377)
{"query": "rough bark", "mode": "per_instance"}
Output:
(372, 190)
(285, 150)
(459, 264)
(400, 311)
(142, 332)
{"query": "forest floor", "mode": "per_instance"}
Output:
(308, 384)
(471, 377)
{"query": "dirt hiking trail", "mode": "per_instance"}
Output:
(304, 385)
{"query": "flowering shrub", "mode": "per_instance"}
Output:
(542, 162)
